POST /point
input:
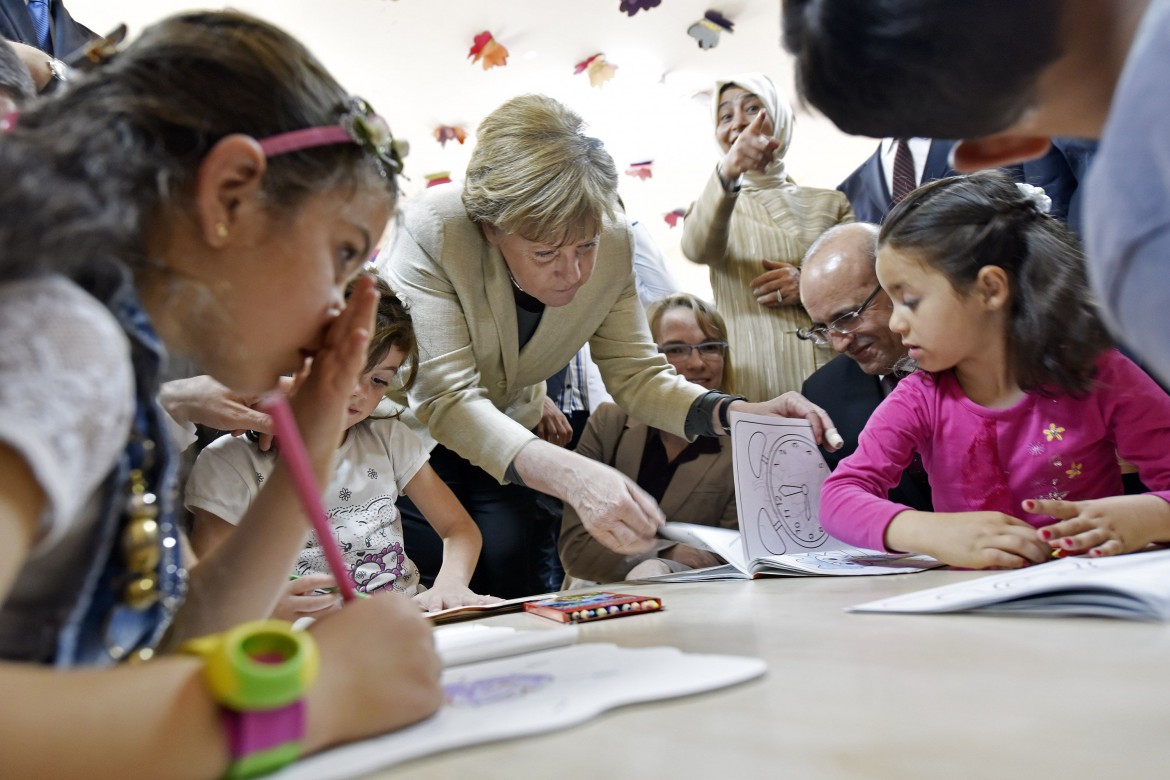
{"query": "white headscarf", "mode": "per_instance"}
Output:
(779, 111)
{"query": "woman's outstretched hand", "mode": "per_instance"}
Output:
(753, 150)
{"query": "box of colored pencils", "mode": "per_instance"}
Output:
(583, 607)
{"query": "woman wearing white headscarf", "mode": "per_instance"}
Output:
(752, 225)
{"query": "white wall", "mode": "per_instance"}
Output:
(409, 59)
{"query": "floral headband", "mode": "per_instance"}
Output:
(1036, 196)
(359, 125)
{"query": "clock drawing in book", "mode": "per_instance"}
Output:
(791, 470)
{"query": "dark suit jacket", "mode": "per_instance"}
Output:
(850, 396)
(1060, 173)
(66, 35)
(866, 187)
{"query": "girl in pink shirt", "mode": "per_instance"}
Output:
(1019, 406)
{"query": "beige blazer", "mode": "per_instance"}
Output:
(477, 393)
(702, 492)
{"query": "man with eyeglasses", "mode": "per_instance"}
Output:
(851, 313)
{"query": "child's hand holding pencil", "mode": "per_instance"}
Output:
(313, 595)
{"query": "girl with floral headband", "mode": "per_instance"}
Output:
(210, 192)
(1019, 406)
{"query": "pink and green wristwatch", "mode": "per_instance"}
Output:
(259, 672)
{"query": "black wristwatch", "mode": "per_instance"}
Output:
(725, 413)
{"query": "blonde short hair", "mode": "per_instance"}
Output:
(534, 172)
(710, 322)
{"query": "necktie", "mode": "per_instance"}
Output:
(888, 383)
(38, 10)
(904, 179)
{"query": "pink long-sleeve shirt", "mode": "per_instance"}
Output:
(981, 459)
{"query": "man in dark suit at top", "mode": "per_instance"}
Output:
(59, 35)
(897, 167)
(900, 165)
(850, 311)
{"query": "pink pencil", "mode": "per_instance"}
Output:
(292, 449)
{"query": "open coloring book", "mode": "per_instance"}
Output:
(1133, 586)
(778, 476)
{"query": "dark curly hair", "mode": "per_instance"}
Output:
(960, 224)
(94, 174)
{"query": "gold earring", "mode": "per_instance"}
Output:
(221, 230)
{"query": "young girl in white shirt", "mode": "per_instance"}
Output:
(379, 458)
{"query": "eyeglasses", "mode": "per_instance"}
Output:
(845, 324)
(708, 350)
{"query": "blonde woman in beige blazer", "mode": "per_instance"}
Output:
(700, 490)
(505, 284)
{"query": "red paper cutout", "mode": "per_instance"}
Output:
(600, 71)
(641, 170)
(487, 50)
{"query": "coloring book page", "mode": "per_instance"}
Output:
(779, 472)
(778, 476)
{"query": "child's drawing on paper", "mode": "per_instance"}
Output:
(492, 690)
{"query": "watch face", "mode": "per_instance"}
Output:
(794, 471)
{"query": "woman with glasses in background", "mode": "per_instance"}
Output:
(691, 481)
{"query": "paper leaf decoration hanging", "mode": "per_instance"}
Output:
(487, 50)
(706, 30)
(632, 7)
(442, 177)
(673, 217)
(445, 133)
(641, 170)
(599, 70)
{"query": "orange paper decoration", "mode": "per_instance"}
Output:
(486, 50)
(599, 70)
(445, 133)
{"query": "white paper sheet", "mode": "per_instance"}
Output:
(473, 642)
(1124, 586)
(533, 694)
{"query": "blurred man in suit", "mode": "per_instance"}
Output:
(59, 35)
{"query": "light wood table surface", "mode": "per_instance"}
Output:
(862, 695)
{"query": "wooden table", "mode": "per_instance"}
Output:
(863, 696)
